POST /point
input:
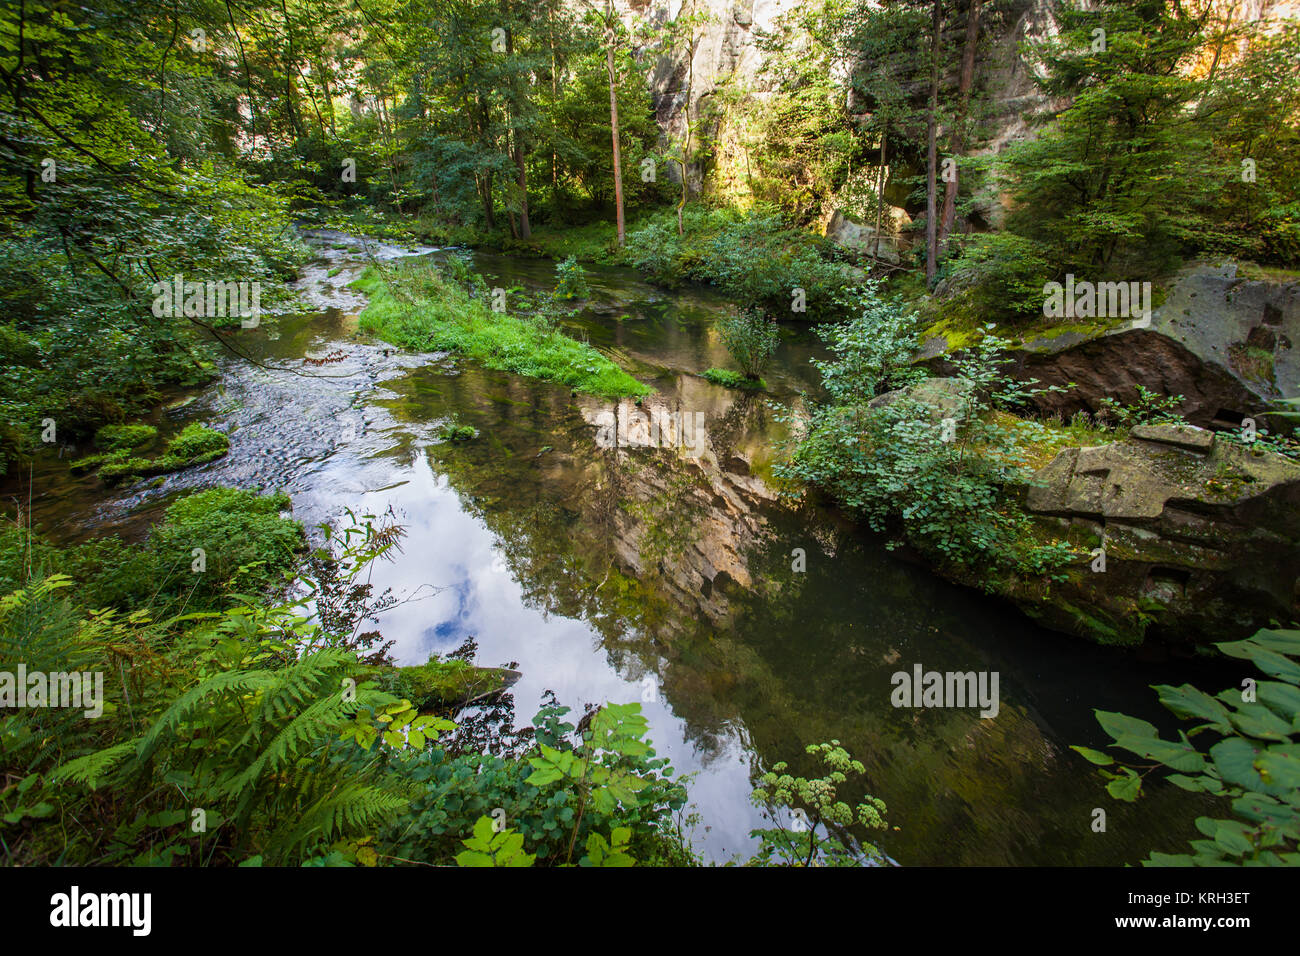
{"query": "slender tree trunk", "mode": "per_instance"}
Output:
(525, 231)
(880, 194)
(555, 96)
(489, 212)
(932, 163)
(613, 123)
(686, 143)
(958, 134)
(516, 150)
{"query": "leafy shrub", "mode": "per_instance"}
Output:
(755, 258)
(937, 465)
(820, 819)
(1149, 409)
(572, 281)
(1254, 762)
(246, 544)
(751, 338)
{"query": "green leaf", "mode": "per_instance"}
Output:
(1256, 720)
(1279, 769)
(1094, 756)
(1122, 725)
(1234, 758)
(1270, 662)
(1126, 788)
(1177, 756)
(1188, 701)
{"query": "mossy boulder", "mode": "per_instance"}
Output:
(195, 445)
(440, 685)
(1201, 538)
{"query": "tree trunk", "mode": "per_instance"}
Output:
(958, 134)
(516, 151)
(686, 143)
(488, 210)
(613, 123)
(932, 163)
(880, 194)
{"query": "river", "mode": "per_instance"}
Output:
(648, 574)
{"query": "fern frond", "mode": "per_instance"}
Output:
(317, 725)
(88, 770)
(304, 680)
(353, 809)
(165, 726)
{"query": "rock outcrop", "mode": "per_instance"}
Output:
(1224, 341)
(1190, 537)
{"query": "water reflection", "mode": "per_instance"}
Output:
(647, 573)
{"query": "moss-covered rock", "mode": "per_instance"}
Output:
(440, 685)
(195, 445)
(1201, 538)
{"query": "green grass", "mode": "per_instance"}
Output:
(415, 307)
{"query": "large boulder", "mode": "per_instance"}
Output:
(1199, 538)
(1225, 339)
(860, 238)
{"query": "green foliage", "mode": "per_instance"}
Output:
(414, 307)
(751, 338)
(490, 848)
(569, 786)
(1254, 761)
(113, 437)
(937, 465)
(247, 547)
(818, 832)
(195, 445)
(757, 259)
(728, 378)
(572, 282)
(1152, 161)
(1149, 409)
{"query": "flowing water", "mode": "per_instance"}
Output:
(650, 574)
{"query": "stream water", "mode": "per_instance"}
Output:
(647, 574)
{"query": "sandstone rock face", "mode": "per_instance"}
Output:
(1201, 537)
(1225, 342)
(861, 238)
(726, 50)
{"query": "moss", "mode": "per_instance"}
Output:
(440, 684)
(111, 437)
(729, 379)
(195, 445)
(454, 432)
(414, 307)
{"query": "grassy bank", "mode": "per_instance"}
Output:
(415, 306)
